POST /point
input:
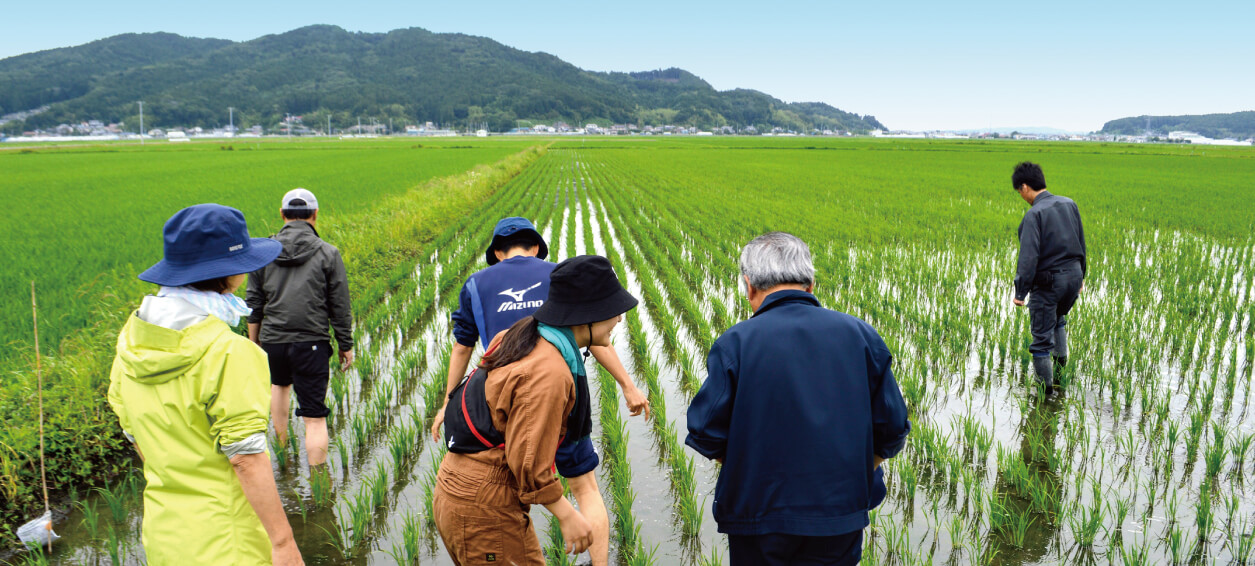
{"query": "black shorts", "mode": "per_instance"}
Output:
(306, 366)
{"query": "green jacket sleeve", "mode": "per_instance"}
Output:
(115, 397)
(240, 400)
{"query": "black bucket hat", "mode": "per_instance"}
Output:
(584, 290)
(507, 227)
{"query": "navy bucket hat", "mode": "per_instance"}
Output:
(507, 227)
(207, 241)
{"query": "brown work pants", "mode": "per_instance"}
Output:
(479, 516)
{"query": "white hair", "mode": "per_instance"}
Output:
(777, 258)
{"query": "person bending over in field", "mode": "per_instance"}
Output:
(1051, 268)
(507, 419)
(513, 286)
(801, 407)
(294, 300)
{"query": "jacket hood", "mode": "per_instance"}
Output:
(153, 354)
(300, 242)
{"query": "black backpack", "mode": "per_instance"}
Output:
(468, 422)
(468, 427)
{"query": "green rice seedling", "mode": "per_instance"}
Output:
(715, 558)
(403, 444)
(1238, 450)
(1204, 515)
(280, 450)
(1131, 555)
(1240, 542)
(411, 532)
(339, 387)
(433, 397)
(1175, 542)
(91, 517)
(378, 485)
(906, 473)
(361, 428)
(115, 546)
(1120, 511)
(1213, 458)
(320, 485)
(116, 502)
(1017, 528)
(361, 513)
(33, 556)
(691, 514)
(341, 536)
(429, 485)
(1172, 507)
(555, 547)
(300, 504)
(642, 556)
(343, 451)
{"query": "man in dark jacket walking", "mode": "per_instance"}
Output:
(1051, 268)
(294, 300)
(801, 407)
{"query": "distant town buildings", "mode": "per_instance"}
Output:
(294, 126)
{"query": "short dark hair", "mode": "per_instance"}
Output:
(297, 214)
(517, 240)
(215, 285)
(1028, 173)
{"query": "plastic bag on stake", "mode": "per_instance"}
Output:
(38, 532)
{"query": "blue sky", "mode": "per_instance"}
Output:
(914, 65)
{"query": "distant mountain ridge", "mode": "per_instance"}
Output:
(409, 74)
(1235, 125)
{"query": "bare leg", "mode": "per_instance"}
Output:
(280, 403)
(316, 441)
(584, 488)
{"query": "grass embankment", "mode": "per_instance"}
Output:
(380, 244)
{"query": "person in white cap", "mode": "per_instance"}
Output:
(294, 300)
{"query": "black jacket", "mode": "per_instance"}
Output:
(303, 292)
(1051, 237)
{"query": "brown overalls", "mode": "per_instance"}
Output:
(482, 500)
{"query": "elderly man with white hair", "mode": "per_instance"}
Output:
(801, 407)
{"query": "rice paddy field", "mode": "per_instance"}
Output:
(1142, 457)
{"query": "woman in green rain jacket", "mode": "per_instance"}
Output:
(194, 398)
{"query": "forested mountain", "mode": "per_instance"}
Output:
(1237, 125)
(408, 75)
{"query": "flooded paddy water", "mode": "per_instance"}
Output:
(1140, 458)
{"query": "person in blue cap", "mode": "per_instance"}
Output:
(512, 287)
(191, 395)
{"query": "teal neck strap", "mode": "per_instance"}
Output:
(564, 340)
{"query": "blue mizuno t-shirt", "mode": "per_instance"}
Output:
(498, 296)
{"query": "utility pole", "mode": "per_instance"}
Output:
(359, 125)
(389, 126)
(328, 124)
(289, 121)
(231, 118)
(141, 122)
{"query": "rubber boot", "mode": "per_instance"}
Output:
(1045, 370)
(1060, 351)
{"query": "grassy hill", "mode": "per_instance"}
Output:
(406, 75)
(1236, 125)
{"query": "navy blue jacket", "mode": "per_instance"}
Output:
(797, 400)
(498, 296)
